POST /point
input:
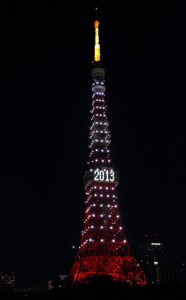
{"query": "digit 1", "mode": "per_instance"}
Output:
(107, 175)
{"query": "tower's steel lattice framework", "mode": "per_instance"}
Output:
(103, 250)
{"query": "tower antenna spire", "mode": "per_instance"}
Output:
(97, 55)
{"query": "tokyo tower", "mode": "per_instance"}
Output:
(104, 249)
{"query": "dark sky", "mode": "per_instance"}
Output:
(45, 99)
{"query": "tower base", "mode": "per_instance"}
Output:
(116, 269)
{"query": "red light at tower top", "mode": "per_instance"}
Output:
(103, 250)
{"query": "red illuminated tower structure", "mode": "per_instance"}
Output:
(103, 250)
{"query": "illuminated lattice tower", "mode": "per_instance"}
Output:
(103, 250)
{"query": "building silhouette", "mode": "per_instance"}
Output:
(153, 257)
(158, 267)
(104, 250)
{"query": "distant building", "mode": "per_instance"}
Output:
(1, 283)
(158, 269)
(7, 279)
(43, 287)
(58, 281)
(152, 257)
(174, 274)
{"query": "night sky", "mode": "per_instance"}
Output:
(45, 100)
